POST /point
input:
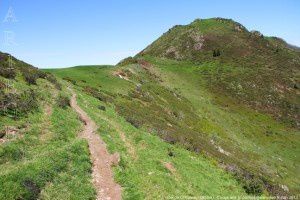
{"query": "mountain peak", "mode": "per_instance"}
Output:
(216, 39)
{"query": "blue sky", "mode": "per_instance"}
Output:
(63, 33)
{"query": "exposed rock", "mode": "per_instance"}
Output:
(173, 51)
(257, 34)
(238, 28)
(198, 38)
(121, 75)
(223, 151)
(144, 64)
(138, 87)
(285, 188)
(220, 149)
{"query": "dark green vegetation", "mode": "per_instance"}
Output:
(40, 155)
(215, 89)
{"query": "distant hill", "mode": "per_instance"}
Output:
(260, 71)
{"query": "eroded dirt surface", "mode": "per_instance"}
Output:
(103, 180)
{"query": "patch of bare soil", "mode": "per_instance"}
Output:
(169, 166)
(103, 180)
(121, 75)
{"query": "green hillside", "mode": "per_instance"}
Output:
(40, 154)
(262, 72)
(167, 99)
(207, 110)
(230, 100)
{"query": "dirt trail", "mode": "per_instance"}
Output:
(103, 178)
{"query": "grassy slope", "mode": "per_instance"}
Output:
(44, 158)
(256, 70)
(94, 76)
(141, 171)
(262, 143)
(256, 142)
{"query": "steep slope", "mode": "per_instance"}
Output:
(41, 156)
(262, 72)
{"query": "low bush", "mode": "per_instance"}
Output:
(70, 80)
(127, 61)
(51, 78)
(30, 77)
(253, 187)
(16, 105)
(7, 72)
(134, 122)
(102, 108)
(98, 94)
(2, 133)
(216, 53)
(63, 101)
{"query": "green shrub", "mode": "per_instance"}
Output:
(70, 80)
(102, 108)
(30, 78)
(127, 61)
(253, 187)
(7, 72)
(2, 133)
(51, 78)
(134, 122)
(98, 94)
(31, 74)
(16, 105)
(216, 53)
(63, 101)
